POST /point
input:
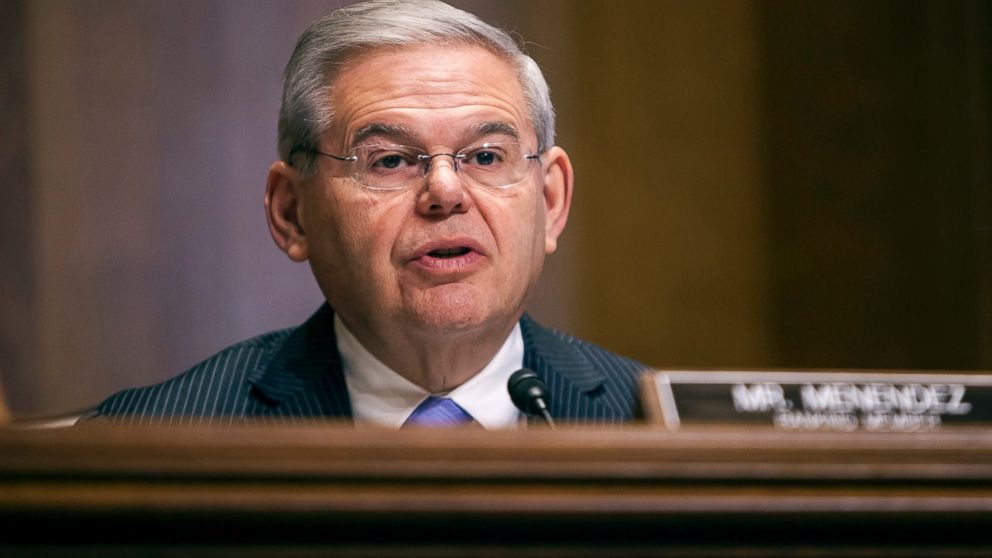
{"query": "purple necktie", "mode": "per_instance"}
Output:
(438, 411)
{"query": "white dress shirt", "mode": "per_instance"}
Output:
(381, 396)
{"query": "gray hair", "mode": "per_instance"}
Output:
(328, 42)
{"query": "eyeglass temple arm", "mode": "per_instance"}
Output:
(296, 150)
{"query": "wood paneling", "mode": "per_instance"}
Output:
(18, 296)
(300, 490)
(877, 159)
(669, 210)
(153, 128)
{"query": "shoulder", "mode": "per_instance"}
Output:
(554, 343)
(587, 382)
(216, 386)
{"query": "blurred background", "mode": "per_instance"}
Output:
(759, 183)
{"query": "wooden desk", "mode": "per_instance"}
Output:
(637, 491)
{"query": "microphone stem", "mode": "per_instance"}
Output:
(547, 417)
(543, 407)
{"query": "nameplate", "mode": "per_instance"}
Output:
(818, 401)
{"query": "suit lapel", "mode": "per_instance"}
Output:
(304, 376)
(575, 385)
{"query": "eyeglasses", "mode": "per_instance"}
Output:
(499, 165)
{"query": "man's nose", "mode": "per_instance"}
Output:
(444, 192)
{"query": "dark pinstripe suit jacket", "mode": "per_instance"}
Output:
(296, 373)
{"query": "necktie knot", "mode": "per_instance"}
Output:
(438, 411)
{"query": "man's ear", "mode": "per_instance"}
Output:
(558, 180)
(283, 209)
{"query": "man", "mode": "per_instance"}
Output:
(419, 178)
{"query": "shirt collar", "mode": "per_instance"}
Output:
(379, 395)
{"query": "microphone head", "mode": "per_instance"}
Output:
(528, 391)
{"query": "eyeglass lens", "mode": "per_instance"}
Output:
(393, 167)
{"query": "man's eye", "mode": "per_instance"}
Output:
(484, 158)
(389, 161)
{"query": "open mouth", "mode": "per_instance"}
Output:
(447, 256)
(449, 252)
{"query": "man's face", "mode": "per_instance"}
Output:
(444, 256)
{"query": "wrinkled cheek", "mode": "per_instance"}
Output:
(347, 262)
(532, 253)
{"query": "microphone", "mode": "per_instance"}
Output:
(530, 394)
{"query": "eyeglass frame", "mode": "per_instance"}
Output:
(425, 157)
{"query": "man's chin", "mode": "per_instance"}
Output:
(456, 308)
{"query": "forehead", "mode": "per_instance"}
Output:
(437, 92)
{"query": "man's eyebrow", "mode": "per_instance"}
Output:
(495, 128)
(402, 133)
(391, 131)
